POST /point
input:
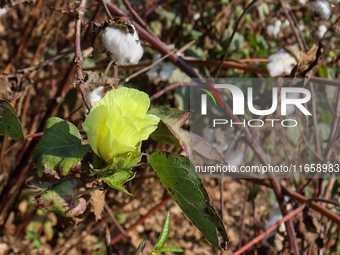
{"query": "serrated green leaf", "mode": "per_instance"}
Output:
(118, 178)
(179, 177)
(170, 248)
(9, 122)
(163, 236)
(60, 147)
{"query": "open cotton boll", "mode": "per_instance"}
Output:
(274, 216)
(235, 158)
(280, 63)
(167, 70)
(164, 70)
(321, 31)
(3, 11)
(153, 73)
(124, 47)
(274, 29)
(333, 1)
(290, 108)
(322, 7)
(303, 2)
(94, 96)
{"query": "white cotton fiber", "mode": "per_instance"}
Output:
(321, 31)
(125, 48)
(280, 63)
(322, 7)
(274, 29)
(290, 108)
(3, 11)
(164, 70)
(167, 70)
(94, 96)
(235, 158)
(333, 1)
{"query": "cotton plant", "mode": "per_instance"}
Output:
(280, 63)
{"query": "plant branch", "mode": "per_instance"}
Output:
(79, 56)
(269, 230)
(232, 37)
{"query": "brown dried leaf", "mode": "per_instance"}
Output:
(94, 80)
(98, 45)
(307, 62)
(5, 88)
(97, 201)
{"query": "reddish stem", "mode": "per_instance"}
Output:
(269, 230)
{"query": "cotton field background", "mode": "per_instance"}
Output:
(60, 58)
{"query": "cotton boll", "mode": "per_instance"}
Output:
(280, 63)
(321, 31)
(3, 11)
(197, 16)
(333, 1)
(322, 7)
(303, 2)
(286, 23)
(290, 108)
(301, 27)
(164, 70)
(94, 96)
(167, 70)
(210, 136)
(124, 47)
(235, 158)
(274, 30)
(153, 73)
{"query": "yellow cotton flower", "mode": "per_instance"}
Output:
(119, 122)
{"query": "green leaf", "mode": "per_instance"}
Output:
(164, 233)
(140, 247)
(34, 237)
(170, 248)
(179, 177)
(163, 134)
(118, 178)
(174, 119)
(63, 198)
(9, 122)
(60, 147)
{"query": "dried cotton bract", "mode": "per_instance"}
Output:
(125, 47)
(280, 63)
(321, 7)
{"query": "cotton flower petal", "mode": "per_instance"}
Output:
(119, 122)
